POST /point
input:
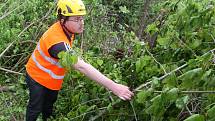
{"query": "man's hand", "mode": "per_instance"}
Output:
(122, 91)
(119, 90)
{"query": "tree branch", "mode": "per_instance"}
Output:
(10, 71)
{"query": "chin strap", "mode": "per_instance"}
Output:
(67, 30)
(64, 27)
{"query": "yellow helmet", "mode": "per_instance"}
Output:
(70, 7)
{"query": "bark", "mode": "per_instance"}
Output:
(143, 19)
(4, 89)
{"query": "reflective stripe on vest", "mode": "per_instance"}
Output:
(54, 76)
(52, 61)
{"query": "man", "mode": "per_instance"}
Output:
(45, 74)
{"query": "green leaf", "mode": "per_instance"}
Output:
(156, 99)
(155, 82)
(143, 95)
(99, 62)
(157, 108)
(190, 74)
(139, 66)
(109, 107)
(172, 94)
(170, 81)
(195, 43)
(188, 77)
(163, 41)
(124, 9)
(174, 45)
(74, 60)
(181, 102)
(66, 60)
(195, 117)
(211, 112)
(152, 28)
(83, 108)
(91, 108)
(206, 74)
(141, 63)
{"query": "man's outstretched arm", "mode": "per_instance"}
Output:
(88, 70)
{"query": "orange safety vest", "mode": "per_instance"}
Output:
(43, 68)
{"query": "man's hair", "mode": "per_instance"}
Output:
(60, 16)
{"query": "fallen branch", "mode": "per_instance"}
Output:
(187, 92)
(10, 71)
(103, 111)
(156, 60)
(50, 10)
(135, 115)
(4, 88)
(83, 114)
(6, 49)
(161, 78)
(8, 13)
(149, 82)
(138, 88)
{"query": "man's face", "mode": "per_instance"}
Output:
(75, 24)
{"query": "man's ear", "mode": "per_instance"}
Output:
(61, 21)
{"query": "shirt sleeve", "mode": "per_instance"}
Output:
(57, 48)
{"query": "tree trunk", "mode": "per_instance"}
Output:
(143, 19)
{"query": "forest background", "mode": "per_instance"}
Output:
(162, 49)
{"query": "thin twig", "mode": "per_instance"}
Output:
(103, 111)
(10, 71)
(87, 113)
(97, 116)
(186, 92)
(197, 105)
(18, 62)
(6, 49)
(188, 110)
(161, 78)
(135, 115)
(164, 76)
(138, 88)
(7, 56)
(8, 13)
(213, 37)
(111, 98)
(5, 3)
(28, 41)
(93, 100)
(50, 10)
(156, 60)
(38, 31)
(181, 112)
(188, 47)
(146, 84)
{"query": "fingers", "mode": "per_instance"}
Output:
(127, 96)
(122, 98)
(123, 92)
(128, 91)
(131, 93)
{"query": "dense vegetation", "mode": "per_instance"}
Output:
(162, 49)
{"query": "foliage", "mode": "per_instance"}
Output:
(185, 43)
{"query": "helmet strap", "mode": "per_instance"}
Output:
(65, 28)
